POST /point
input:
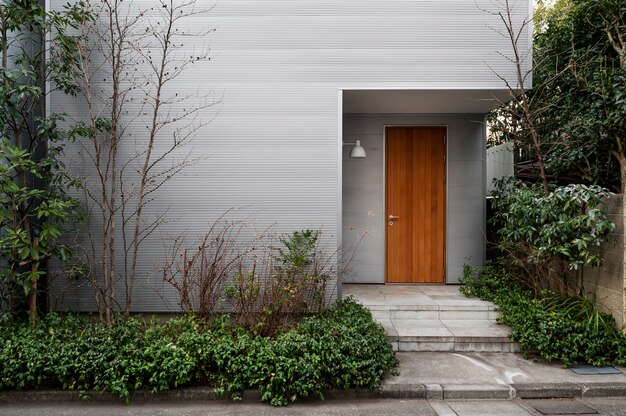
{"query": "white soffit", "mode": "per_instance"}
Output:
(422, 101)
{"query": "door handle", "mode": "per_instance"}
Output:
(393, 217)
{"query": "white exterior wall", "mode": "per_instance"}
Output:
(273, 148)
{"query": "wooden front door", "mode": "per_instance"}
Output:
(415, 204)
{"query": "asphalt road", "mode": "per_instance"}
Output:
(390, 407)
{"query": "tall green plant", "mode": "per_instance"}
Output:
(36, 50)
(581, 47)
(299, 250)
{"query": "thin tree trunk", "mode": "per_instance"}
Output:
(622, 168)
(620, 155)
(32, 307)
(145, 171)
(618, 43)
(116, 44)
(526, 111)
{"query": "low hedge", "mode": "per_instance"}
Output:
(565, 328)
(343, 348)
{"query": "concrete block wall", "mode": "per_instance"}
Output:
(606, 284)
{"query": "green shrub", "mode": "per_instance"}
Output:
(548, 236)
(566, 328)
(487, 284)
(566, 223)
(282, 371)
(354, 347)
(342, 347)
(76, 354)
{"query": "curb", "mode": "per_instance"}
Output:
(387, 391)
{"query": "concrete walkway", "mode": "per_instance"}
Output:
(433, 318)
(485, 375)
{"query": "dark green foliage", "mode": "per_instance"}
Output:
(565, 328)
(79, 355)
(354, 348)
(547, 237)
(343, 348)
(489, 283)
(577, 101)
(567, 223)
(580, 66)
(32, 219)
(34, 204)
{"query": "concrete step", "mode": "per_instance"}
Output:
(450, 328)
(434, 318)
(471, 311)
(453, 344)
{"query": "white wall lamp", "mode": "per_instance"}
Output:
(357, 152)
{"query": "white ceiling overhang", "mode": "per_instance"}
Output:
(422, 101)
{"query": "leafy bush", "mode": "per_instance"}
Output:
(566, 328)
(545, 236)
(566, 223)
(76, 354)
(343, 347)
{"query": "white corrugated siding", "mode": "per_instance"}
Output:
(500, 163)
(272, 148)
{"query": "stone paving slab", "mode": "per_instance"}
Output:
(500, 408)
(410, 330)
(403, 315)
(497, 334)
(464, 323)
(421, 323)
